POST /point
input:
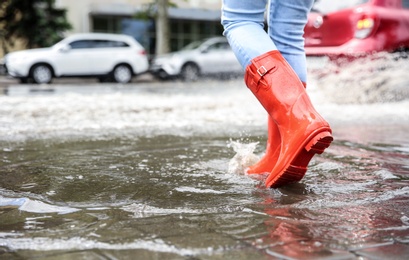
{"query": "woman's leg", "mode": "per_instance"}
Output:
(286, 22)
(243, 23)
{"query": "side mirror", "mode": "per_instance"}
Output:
(204, 49)
(65, 48)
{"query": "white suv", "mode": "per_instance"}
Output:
(105, 56)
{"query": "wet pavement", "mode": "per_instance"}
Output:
(154, 170)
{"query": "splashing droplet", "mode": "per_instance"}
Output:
(243, 158)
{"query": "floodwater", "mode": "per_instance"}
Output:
(155, 170)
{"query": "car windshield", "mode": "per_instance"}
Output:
(329, 6)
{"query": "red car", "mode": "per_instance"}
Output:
(357, 27)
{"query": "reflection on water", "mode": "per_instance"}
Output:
(144, 171)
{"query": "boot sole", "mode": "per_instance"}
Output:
(298, 167)
(265, 165)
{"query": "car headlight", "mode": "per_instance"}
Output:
(364, 27)
(16, 58)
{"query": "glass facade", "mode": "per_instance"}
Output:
(181, 32)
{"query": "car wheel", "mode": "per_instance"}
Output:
(190, 72)
(162, 75)
(122, 74)
(41, 74)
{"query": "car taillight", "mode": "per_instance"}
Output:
(364, 27)
(142, 52)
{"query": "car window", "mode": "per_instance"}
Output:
(81, 44)
(329, 6)
(405, 3)
(108, 44)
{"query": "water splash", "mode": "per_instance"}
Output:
(377, 78)
(243, 158)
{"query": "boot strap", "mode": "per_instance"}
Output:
(259, 67)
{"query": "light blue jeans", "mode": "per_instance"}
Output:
(243, 22)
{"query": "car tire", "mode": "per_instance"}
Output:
(122, 74)
(190, 72)
(41, 74)
(161, 75)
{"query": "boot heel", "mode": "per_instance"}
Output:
(298, 167)
(319, 143)
(291, 174)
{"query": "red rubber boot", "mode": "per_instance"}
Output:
(302, 129)
(269, 159)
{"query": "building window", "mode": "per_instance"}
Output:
(183, 32)
(107, 24)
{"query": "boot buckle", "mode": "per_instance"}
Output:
(262, 71)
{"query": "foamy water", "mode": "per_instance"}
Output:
(127, 110)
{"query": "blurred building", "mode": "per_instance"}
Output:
(190, 20)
